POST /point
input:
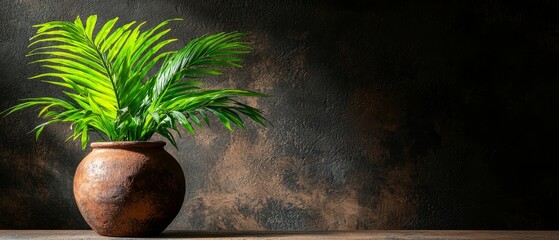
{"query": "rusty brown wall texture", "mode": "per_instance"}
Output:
(388, 115)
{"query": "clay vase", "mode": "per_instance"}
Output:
(129, 189)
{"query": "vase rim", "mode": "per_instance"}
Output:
(128, 144)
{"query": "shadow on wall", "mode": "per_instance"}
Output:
(36, 178)
(392, 115)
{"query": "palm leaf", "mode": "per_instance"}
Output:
(104, 78)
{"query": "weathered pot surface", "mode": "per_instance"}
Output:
(129, 188)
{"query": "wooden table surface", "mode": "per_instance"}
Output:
(377, 234)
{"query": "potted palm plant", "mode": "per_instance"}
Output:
(129, 185)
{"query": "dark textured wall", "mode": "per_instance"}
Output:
(388, 115)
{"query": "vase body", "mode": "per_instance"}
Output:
(129, 189)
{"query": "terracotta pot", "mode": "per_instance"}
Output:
(129, 188)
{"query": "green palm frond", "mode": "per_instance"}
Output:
(104, 77)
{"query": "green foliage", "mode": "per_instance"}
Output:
(107, 89)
